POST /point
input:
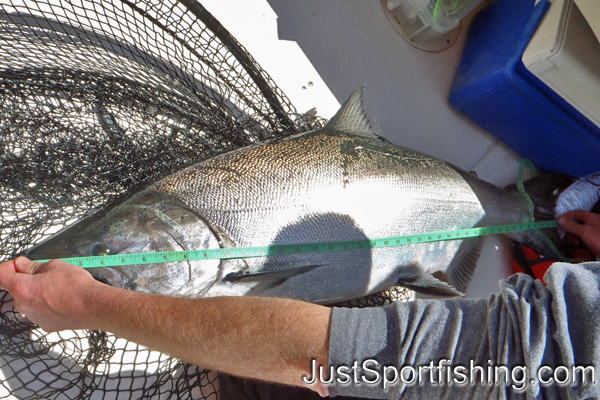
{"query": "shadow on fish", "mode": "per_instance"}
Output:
(337, 183)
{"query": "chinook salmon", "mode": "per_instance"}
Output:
(337, 183)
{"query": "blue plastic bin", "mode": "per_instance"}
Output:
(494, 89)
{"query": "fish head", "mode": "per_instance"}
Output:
(148, 222)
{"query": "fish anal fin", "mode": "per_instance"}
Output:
(269, 279)
(351, 117)
(461, 269)
(429, 284)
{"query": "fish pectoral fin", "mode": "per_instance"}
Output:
(269, 279)
(351, 117)
(429, 284)
(461, 269)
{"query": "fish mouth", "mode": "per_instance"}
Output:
(110, 276)
(44, 252)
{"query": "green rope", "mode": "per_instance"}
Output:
(526, 163)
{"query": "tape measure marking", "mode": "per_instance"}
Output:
(249, 252)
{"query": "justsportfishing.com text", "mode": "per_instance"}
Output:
(371, 372)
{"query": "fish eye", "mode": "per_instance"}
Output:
(68, 247)
(101, 249)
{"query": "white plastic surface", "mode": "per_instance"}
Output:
(564, 53)
(591, 11)
(548, 37)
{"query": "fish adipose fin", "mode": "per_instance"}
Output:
(429, 284)
(269, 279)
(351, 117)
(461, 269)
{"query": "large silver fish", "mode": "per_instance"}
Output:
(333, 184)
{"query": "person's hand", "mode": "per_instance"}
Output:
(55, 295)
(584, 224)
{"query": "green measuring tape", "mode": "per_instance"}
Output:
(303, 248)
(248, 252)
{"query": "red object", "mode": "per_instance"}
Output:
(536, 263)
(529, 261)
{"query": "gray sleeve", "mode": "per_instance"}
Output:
(522, 342)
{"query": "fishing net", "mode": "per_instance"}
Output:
(99, 98)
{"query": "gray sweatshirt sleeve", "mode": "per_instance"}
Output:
(527, 341)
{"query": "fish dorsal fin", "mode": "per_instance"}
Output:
(351, 117)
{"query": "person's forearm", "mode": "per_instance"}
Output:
(270, 339)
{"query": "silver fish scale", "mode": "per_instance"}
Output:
(329, 186)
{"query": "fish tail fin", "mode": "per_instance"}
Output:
(549, 194)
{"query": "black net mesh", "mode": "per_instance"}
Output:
(99, 97)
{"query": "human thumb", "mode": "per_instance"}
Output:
(25, 265)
